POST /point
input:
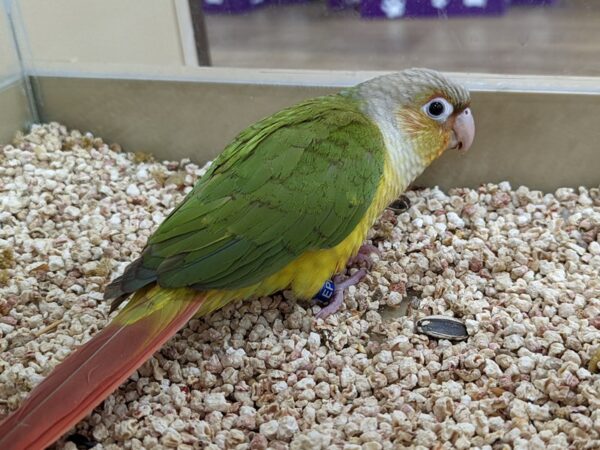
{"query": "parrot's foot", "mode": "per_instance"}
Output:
(363, 256)
(367, 249)
(338, 297)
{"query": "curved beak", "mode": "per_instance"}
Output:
(463, 131)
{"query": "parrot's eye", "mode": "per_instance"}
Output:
(438, 109)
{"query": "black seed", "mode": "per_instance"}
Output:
(400, 205)
(441, 327)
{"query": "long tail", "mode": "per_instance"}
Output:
(97, 368)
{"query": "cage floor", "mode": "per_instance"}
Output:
(520, 267)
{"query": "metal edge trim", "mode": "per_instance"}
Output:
(476, 82)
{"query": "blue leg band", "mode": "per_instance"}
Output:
(325, 295)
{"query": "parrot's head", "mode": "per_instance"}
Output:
(420, 113)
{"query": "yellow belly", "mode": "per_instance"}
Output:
(305, 276)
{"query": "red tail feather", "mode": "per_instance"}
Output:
(88, 376)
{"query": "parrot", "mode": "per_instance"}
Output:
(286, 205)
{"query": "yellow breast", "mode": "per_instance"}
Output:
(306, 275)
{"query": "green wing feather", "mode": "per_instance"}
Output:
(299, 180)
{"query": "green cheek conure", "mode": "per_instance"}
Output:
(285, 206)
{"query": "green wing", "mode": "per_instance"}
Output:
(299, 180)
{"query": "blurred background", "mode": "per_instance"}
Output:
(154, 75)
(540, 37)
(498, 36)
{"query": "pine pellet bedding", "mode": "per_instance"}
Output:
(519, 267)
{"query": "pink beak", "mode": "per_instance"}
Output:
(463, 131)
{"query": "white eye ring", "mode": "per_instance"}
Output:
(439, 109)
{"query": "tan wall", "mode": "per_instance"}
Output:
(517, 139)
(8, 59)
(67, 34)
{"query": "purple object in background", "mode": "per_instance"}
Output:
(231, 6)
(342, 4)
(242, 6)
(394, 9)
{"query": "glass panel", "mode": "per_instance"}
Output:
(534, 37)
(105, 35)
(494, 36)
(15, 110)
(9, 63)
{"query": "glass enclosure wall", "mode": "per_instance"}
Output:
(131, 71)
(9, 63)
(535, 37)
(15, 108)
(104, 36)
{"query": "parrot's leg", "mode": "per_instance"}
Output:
(361, 259)
(338, 296)
(367, 249)
(363, 256)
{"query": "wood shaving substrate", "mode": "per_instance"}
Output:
(520, 267)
